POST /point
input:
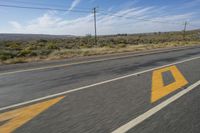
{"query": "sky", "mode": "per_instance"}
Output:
(113, 16)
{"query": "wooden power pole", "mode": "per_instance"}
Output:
(95, 26)
(184, 31)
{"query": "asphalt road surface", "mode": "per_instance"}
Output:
(150, 93)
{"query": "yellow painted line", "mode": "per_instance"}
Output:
(159, 90)
(18, 117)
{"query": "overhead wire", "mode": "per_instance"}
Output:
(142, 19)
(109, 13)
(45, 8)
(40, 4)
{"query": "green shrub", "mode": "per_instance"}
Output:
(121, 45)
(42, 41)
(24, 52)
(52, 46)
(14, 46)
(44, 52)
(5, 55)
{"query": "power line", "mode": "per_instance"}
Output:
(83, 11)
(136, 18)
(95, 11)
(41, 4)
(150, 20)
(44, 8)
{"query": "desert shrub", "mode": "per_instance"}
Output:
(4, 55)
(42, 41)
(24, 52)
(14, 46)
(52, 46)
(121, 45)
(43, 52)
(69, 46)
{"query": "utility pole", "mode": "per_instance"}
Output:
(95, 26)
(184, 31)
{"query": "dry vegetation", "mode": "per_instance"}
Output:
(46, 49)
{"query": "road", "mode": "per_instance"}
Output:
(150, 93)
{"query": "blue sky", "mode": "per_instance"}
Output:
(167, 15)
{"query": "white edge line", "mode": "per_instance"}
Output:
(91, 61)
(92, 85)
(131, 124)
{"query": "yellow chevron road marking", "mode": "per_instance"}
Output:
(159, 90)
(18, 117)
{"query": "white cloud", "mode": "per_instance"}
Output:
(51, 23)
(74, 4)
(15, 24)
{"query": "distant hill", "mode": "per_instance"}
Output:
(28, 37)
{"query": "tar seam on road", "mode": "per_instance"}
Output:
(92, 61)
(92, 85)
(154, 110)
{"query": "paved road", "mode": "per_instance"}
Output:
(105, 96)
